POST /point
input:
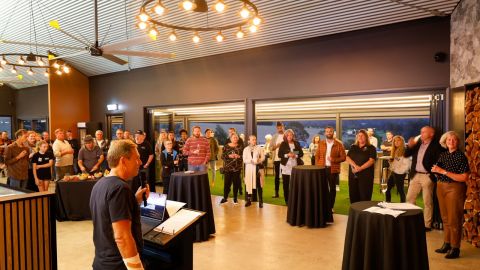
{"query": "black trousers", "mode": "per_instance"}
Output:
(231, 178)
(312, 159)
(257, 194)
(360, 188)
(332, 179)
(286, 182)
(276, 167)
(183, 164)
(395, 180)
(166, 184)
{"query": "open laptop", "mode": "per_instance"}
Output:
(154, 213)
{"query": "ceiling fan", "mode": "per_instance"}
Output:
(107, 51)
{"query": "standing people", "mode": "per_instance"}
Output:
(399, 165)
(103, 143)
(387, 144)
(90, 156)
(46, 137)
(424, 155)
(253, 157)
(31, 144)
(117, 231)
(277, 140)
(119, 134)
(313, 148)
(330, 154)
(232, 167)
(197, 148)
(42, 166)
(127, 135)
(213, 152)
(16, 159)
(159, 144)
(76, 148)
(371, 138)
(452, 171)
(232, 131)
(64, 155)
(361, 157)
(146, 156)
(169, 161)
(290, 153)
(183, 159)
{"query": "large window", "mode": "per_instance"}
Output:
(305, 130)
(406, 127)
(6, 125)
(39, 125)
(221, 128)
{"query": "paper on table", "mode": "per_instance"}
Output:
(177, 222)
(173, 207)
(399, 206)
(384, 211)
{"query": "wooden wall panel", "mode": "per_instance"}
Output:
(68, 100)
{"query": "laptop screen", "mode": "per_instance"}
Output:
(155, 208)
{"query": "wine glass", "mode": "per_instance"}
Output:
(384, 184)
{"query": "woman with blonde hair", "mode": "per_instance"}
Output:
(42, 162)
(361, 157)
(452, 171)
(313, 148)
(253, 157)
(290, 153)
(399, 166)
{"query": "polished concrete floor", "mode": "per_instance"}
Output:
(253, 238)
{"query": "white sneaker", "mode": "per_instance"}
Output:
(337, 188)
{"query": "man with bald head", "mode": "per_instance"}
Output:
(424, 153)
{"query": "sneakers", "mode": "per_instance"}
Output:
(235, 202)
(223, 201)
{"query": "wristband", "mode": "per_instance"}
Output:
(133, 260)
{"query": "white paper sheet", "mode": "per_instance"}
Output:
(384, 211)
(173, 207)
(177, 222)
(399, 206)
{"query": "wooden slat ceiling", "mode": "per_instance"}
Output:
(284, 21)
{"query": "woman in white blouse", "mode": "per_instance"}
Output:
(253, 157)
(399, 166)
(313, 148)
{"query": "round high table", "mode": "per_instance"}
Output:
(309, 197)
(194, 190)
(73, 199)
(376, 241)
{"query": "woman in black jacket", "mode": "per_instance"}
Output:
(169, 161)
(232, 167)
(290, 153)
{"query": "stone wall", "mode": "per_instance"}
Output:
(465, 43)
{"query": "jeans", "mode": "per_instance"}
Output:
(395, 180)
(231, 177)
(18, 183)
(197, 168)
(213, 166)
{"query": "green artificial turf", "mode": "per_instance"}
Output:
(342, 202)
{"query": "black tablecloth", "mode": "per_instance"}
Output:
(194, 190)
(375, 241)
(309, 199)
(73, 200)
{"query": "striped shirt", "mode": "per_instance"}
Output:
(192, 145)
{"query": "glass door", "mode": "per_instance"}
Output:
(114, 122)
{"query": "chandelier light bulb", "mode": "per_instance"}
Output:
(220, 6)
(143, 16)
(59, 72)
(159, 8)
(153, 32)
(56, 65)
(3, 61)
(187, 5)
(196, 38)
(253, 28)
(30, 71)
(13, 70)
(40, 62)
(46, 74)
(66, 69)
(172, 36)
(244, 12)
(257, 21)
(240, 34)
(1, 68)
(21, 61)
(142, 25)
(219, 37)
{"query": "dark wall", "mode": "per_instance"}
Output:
(7, 101)
(389, 57)
(32, 102)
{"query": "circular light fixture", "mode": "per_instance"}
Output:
(30, 62)
(21, 61)
(220, 6)
(30, 71)
(13, 70)
(153, 32)
(253, 28)
(40, 62)
(172, 36)
(198, 12)
(240, 34)
(3, 61)
(196, 38)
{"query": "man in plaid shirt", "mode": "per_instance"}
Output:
(197, 148)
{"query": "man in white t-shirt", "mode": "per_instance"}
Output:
(277, 139)
(373, 140)
(63, 153)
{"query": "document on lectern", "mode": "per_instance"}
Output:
(178, 221)
(173, 207)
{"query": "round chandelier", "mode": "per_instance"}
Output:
(216, 18)
(31, 62)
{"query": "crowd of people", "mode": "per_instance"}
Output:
(33, 160)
